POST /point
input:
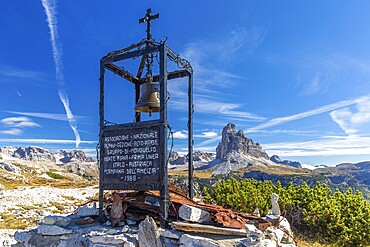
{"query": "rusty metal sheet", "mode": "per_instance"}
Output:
(145, 200)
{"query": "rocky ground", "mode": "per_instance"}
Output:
(193, 228)
(21, 208)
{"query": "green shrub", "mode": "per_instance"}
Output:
(54, 175)
(339, 219)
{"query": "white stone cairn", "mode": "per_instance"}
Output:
(275, 205)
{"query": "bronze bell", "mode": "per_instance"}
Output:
(149, 98)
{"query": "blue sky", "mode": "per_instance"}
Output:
(293, 75)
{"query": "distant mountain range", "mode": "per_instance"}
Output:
(236, 155)
(74, 161)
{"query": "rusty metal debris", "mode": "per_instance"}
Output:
(137, 204)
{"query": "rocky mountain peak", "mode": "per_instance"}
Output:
(29, 153)
(73, 155)
(235, 141)
(198, 156)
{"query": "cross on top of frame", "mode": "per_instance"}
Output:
(147, 18)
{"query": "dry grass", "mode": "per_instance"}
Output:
(197, 173)
(70, 198)
(10, 221)
(58, 205)
(29, 176)
(29, 207)
(94, 197)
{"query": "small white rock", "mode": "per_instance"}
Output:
(131, 222)
(88, 210)
(125, 228)
(190, 240)
(194, 214)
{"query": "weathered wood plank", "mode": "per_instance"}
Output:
(198, 228)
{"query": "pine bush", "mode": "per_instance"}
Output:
(335, 218)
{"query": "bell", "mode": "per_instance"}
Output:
(149, 98)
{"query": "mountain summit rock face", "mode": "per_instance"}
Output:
(236, 151)
(233, 140)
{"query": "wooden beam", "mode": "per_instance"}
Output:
(198, 228)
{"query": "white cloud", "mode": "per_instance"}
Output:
(210, 149)
(21, 73)
(49, 7)
(330, 145)
(43, 141)
(316, 111)
(199, 146)
(351, 122)
(71, 119)
(289, 132)
(207, 134)
(318, 83)
(182, 134)
(15, 132)
(19, 122)
(53, 116)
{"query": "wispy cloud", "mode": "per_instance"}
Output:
(49, 7)
(214, 140)
(21, 73)
(14, 131)
(318, 71)
(351, 122)
(52, 116)
(19, 122)
(44, 141)
(289, 132)
(316, 111)
(318, 83)
(330, 145)
(208, 57)
(15, 125)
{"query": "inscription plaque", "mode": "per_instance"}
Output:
(131, 155)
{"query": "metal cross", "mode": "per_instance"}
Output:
(147, 18)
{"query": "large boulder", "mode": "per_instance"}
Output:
(52, 230)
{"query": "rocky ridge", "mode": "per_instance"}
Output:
(34, 153)
(277, 160)
(20, 161)
(180, 162)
